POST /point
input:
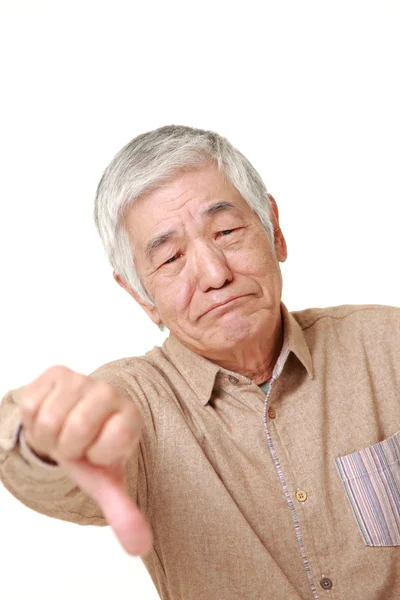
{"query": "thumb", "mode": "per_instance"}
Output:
(106, 485)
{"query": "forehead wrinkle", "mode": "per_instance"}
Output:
(174, 197)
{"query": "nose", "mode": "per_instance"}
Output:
(211, 268)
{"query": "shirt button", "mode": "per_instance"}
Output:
(271, 413)
(233, 379)
(326, 583)
(301, 496)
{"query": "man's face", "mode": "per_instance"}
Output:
(206, 260)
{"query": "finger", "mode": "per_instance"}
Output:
(32, 397)
(70, 421)
(108, 490)
(116, 441)
(54, 410)
(82, 427)
(34, 393)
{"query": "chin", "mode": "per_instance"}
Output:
(235, 331)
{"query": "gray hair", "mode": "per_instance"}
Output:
(150, 161)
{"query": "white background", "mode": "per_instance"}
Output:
(308, 90)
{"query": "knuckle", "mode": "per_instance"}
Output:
(104, 389)
(58, 371)
(76, 385)
(46, 423)
(127, 433)
(28, 405)
(79, 426)
(114, 444)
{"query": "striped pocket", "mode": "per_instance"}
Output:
(371, 478)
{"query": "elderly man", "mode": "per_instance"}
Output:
(255, 455)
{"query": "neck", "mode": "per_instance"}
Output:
(257, 361)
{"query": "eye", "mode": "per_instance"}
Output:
(172, 259)
(226, 231)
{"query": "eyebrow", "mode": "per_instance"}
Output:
(217, 207)
(158, 241)
(164, 237)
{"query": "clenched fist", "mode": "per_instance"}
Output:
(90, 429)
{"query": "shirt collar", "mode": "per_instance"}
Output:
(294, 341)
(200, 373)
(197, 371)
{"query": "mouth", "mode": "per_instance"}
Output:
(221, 304)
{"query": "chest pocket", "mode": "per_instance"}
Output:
(371, 479)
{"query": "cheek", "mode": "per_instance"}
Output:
(173, 297)
(184, 295)
(257, 260)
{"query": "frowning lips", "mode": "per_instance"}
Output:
(218, 304)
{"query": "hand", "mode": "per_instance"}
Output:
(90, 429)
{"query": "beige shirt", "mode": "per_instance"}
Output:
(294, 495)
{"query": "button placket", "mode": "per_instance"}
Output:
(288, 495)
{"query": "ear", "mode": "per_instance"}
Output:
(149, 309)
(279, 239)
